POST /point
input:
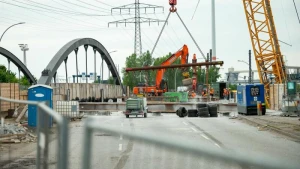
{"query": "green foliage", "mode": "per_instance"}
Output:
(24, 81)
(233, 87)
(7, 76)
(132, 79)
(111, 80)
(213, 75)
(298, 87)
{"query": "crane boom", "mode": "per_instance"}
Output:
(265, 44)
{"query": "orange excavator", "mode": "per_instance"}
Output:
(161, 85)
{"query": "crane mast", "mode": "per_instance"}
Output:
(265, 43)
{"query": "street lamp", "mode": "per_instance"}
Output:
(102, 62)
(250, 69)
(24, 48)
(9, 28)
(243, 62)
(113, 51)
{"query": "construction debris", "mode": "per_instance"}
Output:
(22, 113)
(15, 133)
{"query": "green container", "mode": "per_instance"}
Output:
(184, 97)
(172, 96)
(176, 96)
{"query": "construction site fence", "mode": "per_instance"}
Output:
(91, 125)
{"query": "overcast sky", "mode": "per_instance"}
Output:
(46, 31)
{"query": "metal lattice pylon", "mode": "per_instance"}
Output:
(137, 35)
(137, 20)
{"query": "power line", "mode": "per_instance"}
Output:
(195, 9)
(296, 10)
(288, 32)
(92, 5)
(74, 4)
(104, 3)
(63, 10)
(39, 12)
(44, 9)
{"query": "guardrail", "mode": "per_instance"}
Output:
(43, 114)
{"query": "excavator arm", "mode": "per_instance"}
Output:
(183, 53)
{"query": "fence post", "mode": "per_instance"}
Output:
(63, 144)
(43, 137)
(87, 146)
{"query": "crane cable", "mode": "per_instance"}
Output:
(195, 10)
(296, 11)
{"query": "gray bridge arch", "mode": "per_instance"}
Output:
(63, 53)
(19, 64)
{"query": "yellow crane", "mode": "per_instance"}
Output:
(265, 43)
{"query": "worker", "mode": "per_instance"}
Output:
(203, 92)
(212, 91)
(225, 93)
(193, 94)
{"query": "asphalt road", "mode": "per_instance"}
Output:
(118, 152)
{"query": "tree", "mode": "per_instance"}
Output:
(233, 87)
(111, 80)
(298, 87)
(213, 75)
(24, 81)
(132, 79)
(6, 76)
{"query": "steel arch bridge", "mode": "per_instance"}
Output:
(19, 64)
(62, 56)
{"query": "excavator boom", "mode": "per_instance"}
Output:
(183, 53)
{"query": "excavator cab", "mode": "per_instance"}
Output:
(164, 85)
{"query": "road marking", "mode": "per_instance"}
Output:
(120, 147)
(184, 123)
(217, 145)
(204, 136)
(194, 129)
(121, 137)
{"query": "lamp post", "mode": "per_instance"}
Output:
(250, 69)
(24, 48)
(110, 53)
(9, 28)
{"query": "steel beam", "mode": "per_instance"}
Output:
(174, 66)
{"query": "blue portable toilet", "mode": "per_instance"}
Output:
(42, 93)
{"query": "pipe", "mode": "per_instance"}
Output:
(174, 66)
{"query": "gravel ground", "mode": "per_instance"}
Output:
(288, 126)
